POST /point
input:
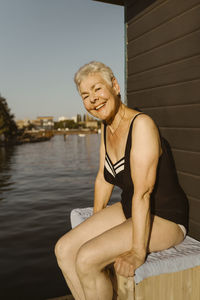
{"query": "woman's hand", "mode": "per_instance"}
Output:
(126, 264)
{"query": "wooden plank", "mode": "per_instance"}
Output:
(174, 94)
(183, 285)
(181, 48)
(130, 3)
(194, 230)
(184, 116)
(186, 70)
(194, 206)
(187, 162)
(136, 7)
(131, 16)
(165, 33)
(182, 138)
(116, 2)
(161, 13)
(190, 184)
(67, 297)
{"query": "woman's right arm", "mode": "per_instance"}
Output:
(102, 189)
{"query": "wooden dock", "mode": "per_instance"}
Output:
(67, 297)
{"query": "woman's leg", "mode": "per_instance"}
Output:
(102, 250)
(68, 246)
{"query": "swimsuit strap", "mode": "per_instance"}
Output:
(128, 143)
(129, 140)
(105, 125)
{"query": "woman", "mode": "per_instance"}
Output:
(152, 214)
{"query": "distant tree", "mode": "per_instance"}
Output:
(66, 124)
(8, 127)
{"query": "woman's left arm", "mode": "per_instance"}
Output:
(144, 158)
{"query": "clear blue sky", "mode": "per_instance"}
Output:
(44, 42)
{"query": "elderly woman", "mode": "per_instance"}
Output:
(152, 214)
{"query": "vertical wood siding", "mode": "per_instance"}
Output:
(163, 68)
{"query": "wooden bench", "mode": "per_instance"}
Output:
(172, 274)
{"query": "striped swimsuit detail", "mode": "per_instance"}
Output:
(114, 169)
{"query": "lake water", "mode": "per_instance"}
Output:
(39, 185)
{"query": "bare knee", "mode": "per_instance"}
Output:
(65, 249)
(87, 261)
(60, 249)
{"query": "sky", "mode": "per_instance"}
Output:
(44, 42)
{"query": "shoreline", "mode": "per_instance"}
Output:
(43, 136)
(75, 131)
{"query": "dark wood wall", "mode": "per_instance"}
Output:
(163, 80)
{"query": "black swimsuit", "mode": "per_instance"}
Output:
(168, 200)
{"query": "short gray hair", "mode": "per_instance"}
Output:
(94, 67)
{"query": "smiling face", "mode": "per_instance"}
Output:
(99, 98)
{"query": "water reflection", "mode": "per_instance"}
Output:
(6, 155)
(40, 184)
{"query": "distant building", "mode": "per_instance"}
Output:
(46, 123)
(91, 124)
(87, 118)
(23, 123)
(37, 124)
